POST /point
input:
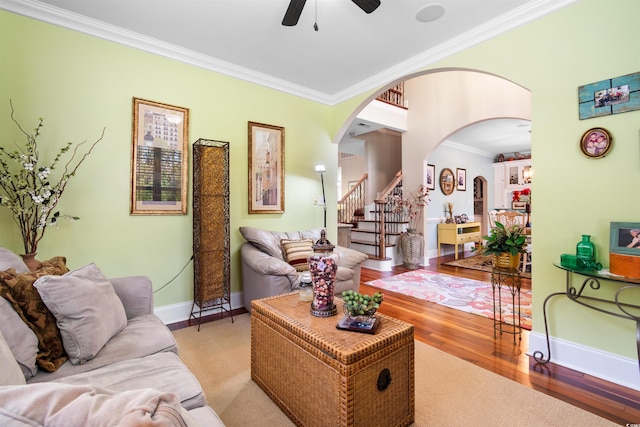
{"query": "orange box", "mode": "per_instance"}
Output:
(625, 265)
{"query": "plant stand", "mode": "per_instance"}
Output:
(509, 280)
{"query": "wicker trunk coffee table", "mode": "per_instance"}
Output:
(322, 376)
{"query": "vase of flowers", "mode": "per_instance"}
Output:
(411, 241)
(516, 198)
(29, 187)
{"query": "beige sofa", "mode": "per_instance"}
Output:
(266, 272)
(107, 360)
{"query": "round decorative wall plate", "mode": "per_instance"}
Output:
(596, 143)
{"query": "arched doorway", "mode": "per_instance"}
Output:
(442, 102)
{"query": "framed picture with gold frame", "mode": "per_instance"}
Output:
(266, 168)
(159, 166)
(596, 143)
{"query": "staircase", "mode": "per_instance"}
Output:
(365, 239)
(377, 229)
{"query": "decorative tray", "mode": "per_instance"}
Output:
(368, 326)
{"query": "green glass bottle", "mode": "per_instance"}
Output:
(588, 264)
(585, 248)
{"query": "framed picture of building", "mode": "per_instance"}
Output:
(266, 168)
(159, 165)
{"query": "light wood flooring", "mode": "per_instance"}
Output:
(470, 337)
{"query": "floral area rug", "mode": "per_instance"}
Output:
(478, 262)
(471, 296)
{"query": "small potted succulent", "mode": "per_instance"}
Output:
(506, 244)
(361, 306)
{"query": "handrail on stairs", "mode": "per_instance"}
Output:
(383, 211)
(351, 209)
(353, 201)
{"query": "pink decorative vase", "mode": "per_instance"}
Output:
(31, 261)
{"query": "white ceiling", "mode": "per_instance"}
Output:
(351, 53)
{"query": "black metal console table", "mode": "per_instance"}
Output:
(614, 307)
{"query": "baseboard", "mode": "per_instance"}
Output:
(607, 366)
(181, 311)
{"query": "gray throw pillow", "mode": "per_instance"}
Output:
(10, 374)
(87, 310)
(20, 338)
(10, 260)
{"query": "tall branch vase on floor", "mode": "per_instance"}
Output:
(411, 248)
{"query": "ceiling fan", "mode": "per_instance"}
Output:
(295, 9)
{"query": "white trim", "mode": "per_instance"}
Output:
(467, 148)
(608, 366)
(517, 17)
(180, 312)
(54, 15)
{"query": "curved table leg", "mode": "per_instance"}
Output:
(538, 355)
(638, 340)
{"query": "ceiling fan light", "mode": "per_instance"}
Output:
(431, 12)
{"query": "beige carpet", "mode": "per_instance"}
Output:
(449, 391)
(478, 262)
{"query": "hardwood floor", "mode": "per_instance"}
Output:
(470, 337)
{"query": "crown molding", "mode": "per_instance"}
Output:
(467, 148)
(517, 17)
(60, 17)
(73, 21)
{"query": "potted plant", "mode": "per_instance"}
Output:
(505, 244)
(361, 305)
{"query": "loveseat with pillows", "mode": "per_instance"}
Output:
(78, 349)
(273, 261)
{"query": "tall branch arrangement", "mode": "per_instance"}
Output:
(27, 188)
(411, 207)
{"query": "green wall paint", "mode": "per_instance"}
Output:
(80, 84)
(573, 195)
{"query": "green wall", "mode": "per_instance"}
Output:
(572, 194)
(80, 84)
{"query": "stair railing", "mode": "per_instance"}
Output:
(386, 219)
(352, 201)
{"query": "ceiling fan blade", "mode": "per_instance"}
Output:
(367, 5)
(293, 12)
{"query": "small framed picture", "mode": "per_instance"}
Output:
(625, 238)
(461, 179)
(430, 177)
(458, 219)
(518, 206)
(596, 143)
